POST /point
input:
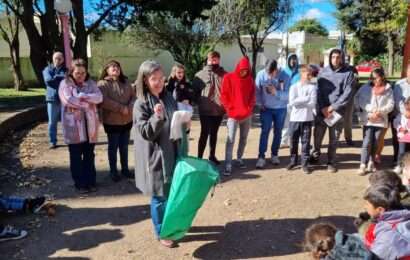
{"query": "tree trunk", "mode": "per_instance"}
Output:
(14, 48)
(390, 48)
(255, 50)
(80, 45)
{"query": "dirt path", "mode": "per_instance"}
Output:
(253, 214)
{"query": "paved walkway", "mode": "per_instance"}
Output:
(258, 214)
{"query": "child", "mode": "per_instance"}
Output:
(375, 101)
(402, 123)
(388, 237)
(324, 241)
(179, 87)
(302, 102)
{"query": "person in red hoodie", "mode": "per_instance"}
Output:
(238, 99)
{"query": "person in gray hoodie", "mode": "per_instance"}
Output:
(334, 92)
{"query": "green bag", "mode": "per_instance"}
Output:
(192, 180)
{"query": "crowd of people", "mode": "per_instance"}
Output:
(292, 101)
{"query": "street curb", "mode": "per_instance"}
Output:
(22, 119)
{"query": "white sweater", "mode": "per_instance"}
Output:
(302, 102)
(369, 103)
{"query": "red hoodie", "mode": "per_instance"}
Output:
(238, 94)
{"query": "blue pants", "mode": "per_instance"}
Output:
(267, 117)
(82, 164)
(118, 141)
(53, 111)
(158, 205)
(11, 204)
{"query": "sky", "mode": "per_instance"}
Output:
(320, 9)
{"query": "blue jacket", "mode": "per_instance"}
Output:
(291, 75)
(52, 77)
(334, 87)
(280, 99)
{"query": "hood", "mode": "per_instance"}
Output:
(330, 58)
(243, 64)
(288, 62)
(395, 215)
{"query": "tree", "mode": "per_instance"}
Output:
(9, 31)
(47, 38)
(256, 18)
(372, 20)
(308, 25)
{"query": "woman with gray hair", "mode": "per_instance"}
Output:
(155, 152)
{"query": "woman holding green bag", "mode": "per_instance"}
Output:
(155, 153)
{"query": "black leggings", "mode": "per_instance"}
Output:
(209, 127)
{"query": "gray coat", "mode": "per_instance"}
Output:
(155, 153)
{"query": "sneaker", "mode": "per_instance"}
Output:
(127, 174)
(275, 160)
(397, 169)
(36, 204)
(167, 243)
(314, 159)
(214, 160)
(11, 233)
(371, 167)
(52, 146)
(115, 177)
(306, 170)
(290, 166)
(260, 164)
(228, 170)
(362, 170)
(241, 164)
(331, 168)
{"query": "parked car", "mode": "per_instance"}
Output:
(367, 66)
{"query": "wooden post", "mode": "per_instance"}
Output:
(406, 55)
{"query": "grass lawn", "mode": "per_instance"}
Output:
(10, 98)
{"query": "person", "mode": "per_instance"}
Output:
(388, 237)
(79, 96)
(401, 93)
(302, 102)
(272, 98)
(179, 87)
(334, 92)
(116, 108)
(238, 99)
(18, 204)
(291, 76)
(348, 119)
(207, 85)
(53, 74)
(405, 160)
(325, 242)
(155, 152)
(375, 101)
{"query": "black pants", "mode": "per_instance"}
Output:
(303, 131)
(82, 164)
(209, 127)
(395, 143)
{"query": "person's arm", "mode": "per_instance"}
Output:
(346, 95)
(95, 97)
(252, 96)
(399, 98)
(132, 99)
(146, 122)
(107, 102)
(198, 85)
(66, 96)
(386, 109)
(259, 89)
(51, 81)
(226, 92)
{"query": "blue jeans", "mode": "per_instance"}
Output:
(158, 205)
(53, 111)
(118, 141)
(11, 203)
(269, 116)
(82, 165)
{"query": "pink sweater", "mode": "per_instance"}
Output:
(79, 118)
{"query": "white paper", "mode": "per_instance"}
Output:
(179, 118)
(332, 120)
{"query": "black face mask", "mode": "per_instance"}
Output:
(214, 66)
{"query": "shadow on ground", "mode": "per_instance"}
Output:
(257, 239)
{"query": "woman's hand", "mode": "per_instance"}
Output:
(159, 110)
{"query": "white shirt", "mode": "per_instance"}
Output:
(302, 102)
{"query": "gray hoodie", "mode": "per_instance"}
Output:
(335, 86)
